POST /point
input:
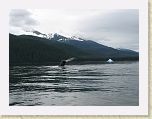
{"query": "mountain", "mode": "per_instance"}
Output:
(77, 52)
(23, 50)
(37, 33)
(129, 51)
(91, 46)
(33, 49)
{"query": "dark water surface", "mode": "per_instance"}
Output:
(115, 84)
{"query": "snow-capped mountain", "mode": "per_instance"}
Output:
(87, 45)
(76, 38)
(62, 38)
(52, 36)
(36, 33)
(91, 46)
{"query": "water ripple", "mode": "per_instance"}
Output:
(97, 83)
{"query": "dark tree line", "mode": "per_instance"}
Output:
(23, 50)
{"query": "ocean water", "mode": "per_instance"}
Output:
(95, 84)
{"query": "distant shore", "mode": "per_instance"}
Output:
(81, 62)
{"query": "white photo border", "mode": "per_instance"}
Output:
(142, 109)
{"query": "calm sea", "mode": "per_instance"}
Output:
(106, 84)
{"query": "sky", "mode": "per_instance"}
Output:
(117, 28)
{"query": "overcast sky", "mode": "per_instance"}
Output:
(117, 28)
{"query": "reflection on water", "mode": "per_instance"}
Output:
(114, 84)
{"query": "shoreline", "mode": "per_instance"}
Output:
(70, 63)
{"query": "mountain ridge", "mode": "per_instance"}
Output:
(62, 38)
(90, 45)
(33, 49)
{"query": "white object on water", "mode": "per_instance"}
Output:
(110, 60)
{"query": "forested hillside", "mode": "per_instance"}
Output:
(65, 47)
(22, 50)
(92, 46)
(31, 49)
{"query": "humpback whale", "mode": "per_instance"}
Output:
(63, 62)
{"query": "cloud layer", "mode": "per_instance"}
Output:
(115, 28)
(22, 18)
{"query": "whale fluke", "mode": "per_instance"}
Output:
(63, 62)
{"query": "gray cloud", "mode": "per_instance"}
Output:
(118, 27)
(22, 18)
(105, 39)
(116, 21)
(126, 21)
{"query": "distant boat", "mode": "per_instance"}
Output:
(63, 62)
(110, 60)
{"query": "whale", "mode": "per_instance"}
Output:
(63, 62)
